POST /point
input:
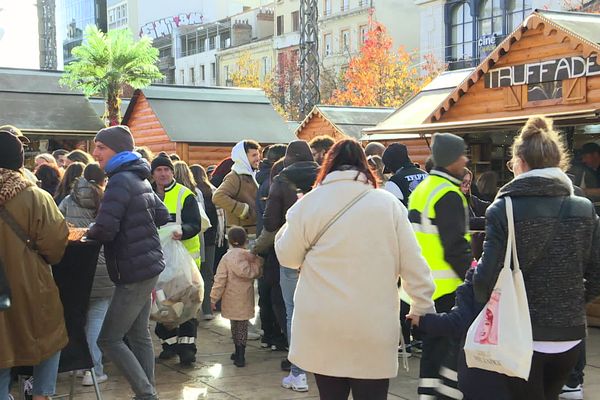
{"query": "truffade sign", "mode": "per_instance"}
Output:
(543, 71)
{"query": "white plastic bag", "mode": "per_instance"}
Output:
(180, 288)
(500, 338)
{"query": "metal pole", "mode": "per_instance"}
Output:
(309, 56)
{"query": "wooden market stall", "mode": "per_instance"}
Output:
(202, 124)
(51, 116)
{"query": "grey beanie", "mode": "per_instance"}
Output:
(117, 138)
(446, 149)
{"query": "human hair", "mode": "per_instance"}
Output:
(276, 152)
(80, 156)
(374, 149)
(73, 171)
(322, 143)
(376, 164)
(540, 146)
(251, 145)
(429, 164)
(145, 152)
(276, 169)
(60, 152)
(487, 184)
(174, 157)
(183, 175)
(346, 154)
(237, 237)
(202, 182)
(47, 157)
(49, 176)
(96, 177)
(469, 172)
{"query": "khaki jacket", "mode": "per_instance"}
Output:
(33, 329)
(234, 284)
(236, 191)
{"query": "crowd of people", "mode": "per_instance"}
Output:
(358, 254)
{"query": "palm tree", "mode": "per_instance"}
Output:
(106, 62)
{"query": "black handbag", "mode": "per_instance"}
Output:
(4, 289)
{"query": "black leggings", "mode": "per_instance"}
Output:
(549, 372)
(333, 388)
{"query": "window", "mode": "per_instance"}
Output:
(296, 21)
(345, 5)
(326, 7)
(362, 37)
(544, 91)
(212, 42)
(226, 73)
(264, 67)
(201, 45)
(193, 76)
(202, 74)
(516, 11)
(490, 18)
(117, 16)
(213, 72)
(279, 25)
(182, 76)
(462, 33)
(327, 49)
(345, 40)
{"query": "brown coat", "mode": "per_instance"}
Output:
(33, 329)
(234, 284)
(235, 191)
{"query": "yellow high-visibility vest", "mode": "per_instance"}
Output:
(423, 199)
(174, 199)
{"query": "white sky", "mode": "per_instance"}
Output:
(19, 46)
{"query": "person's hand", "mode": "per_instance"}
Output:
(213, 306)
(414, 319)
(177, 235)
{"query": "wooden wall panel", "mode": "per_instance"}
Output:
(207, 155)
(318, 126)
(147, 129)
(418, 150)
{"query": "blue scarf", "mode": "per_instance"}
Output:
(120, 159)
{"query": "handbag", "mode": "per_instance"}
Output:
(500, 339)
(4, 289)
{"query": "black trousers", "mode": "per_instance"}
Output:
(181, 338)
(549, 372)
(576, 375)
(334, 388)
(273, 334)
(435, 352)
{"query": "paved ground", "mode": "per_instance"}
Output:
(214, 376)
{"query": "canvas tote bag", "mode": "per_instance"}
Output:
(500, 338)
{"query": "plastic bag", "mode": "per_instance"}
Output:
(180, 288)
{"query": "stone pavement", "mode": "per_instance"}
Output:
(215, 377)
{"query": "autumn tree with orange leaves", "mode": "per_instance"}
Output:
(381, 77)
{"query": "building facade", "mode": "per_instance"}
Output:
(464, 32)
(75, 16)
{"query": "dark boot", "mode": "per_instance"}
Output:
(187, 355)
(240, 356)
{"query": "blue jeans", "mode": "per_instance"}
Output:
(288, 279)
(44, 377)
(96, 313)
(128, 315)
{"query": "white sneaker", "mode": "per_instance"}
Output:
(571, 393)
(87, 379)
(296, 383)
(253, 336)
(208, 317)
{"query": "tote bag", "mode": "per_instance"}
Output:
(500, 338)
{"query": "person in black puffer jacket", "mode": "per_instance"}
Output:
(127, 222)
(406, 175)
(558, 244)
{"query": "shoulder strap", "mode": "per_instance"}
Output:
(179, 204)
(336, 217)
(18, 230)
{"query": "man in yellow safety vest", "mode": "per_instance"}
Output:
(181, 340)
(439, 215)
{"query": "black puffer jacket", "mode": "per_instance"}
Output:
(264, 182)
(127, 225)
(561, 277)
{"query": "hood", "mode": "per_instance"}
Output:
(240, 159)
(83, 194)
(396, 157)
(11, 184)
(302, 174)
(549, 182)
(138, 167)
(264, 171)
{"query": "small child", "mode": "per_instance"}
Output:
(234, 286)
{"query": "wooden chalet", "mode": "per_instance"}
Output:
(51, 116)
(202, 124)
(548, 65)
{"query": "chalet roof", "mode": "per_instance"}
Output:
(349, 120)
(98, 105)
(213, 114)
(33, 101)
(417, 109)
(577, 30)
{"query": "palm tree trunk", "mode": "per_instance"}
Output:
(113, 102)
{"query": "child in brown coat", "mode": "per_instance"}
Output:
(234, 286)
